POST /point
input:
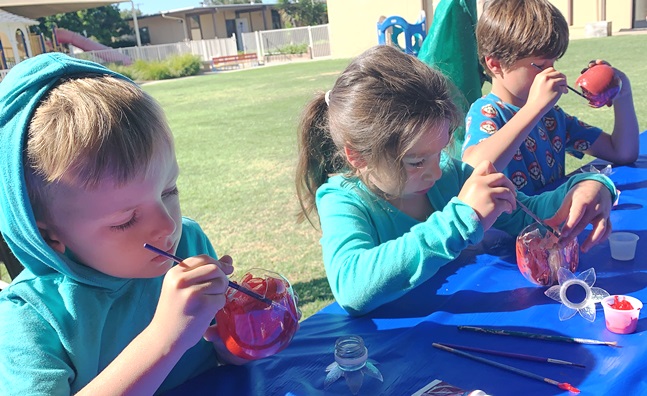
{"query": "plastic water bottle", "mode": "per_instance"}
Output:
(351, 362)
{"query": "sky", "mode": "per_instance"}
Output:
(148, 7)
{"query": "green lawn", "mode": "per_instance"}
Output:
(236, 144)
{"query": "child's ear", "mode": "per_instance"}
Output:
(50, 236)
(354, 158)
(493, 64)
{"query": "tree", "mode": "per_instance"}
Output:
(303, 12)
(128, 13)
(100, 23)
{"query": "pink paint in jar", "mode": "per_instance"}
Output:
(539, 255)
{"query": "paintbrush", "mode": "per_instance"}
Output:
(231, 284)
(537, 219)
(517, 355)
(560, 385)
(545, 337)
(567, 86)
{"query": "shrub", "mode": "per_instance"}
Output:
(125, 70)
(184, 65)
(173, 67)
(294, 49)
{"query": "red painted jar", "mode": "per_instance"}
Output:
(600, 85)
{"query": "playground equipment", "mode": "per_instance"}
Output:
(389, 30)
(105, 53)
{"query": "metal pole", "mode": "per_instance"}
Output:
(139, 40)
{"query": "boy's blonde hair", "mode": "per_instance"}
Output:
(88, 128)
(510, 30)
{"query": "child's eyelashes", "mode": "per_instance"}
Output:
(416, 164)
(173, 191)
(122, 227)
(126, 225)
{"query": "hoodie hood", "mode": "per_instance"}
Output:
(21, 91)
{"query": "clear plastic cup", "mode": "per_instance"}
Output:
(619, 317)
(623, 245)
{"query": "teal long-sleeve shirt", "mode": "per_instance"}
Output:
(373, 253)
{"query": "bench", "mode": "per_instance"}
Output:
(229, 62)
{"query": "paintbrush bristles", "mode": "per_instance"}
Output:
(561, 385)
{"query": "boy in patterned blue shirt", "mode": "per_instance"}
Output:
(518, 126)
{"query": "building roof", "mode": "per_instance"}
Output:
(41, 8)
(7, 17)
(216, 8)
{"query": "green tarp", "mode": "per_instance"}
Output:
(450, 46)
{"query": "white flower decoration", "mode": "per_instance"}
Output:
(607, 170)
(586, 307)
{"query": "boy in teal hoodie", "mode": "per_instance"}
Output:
(88, 176)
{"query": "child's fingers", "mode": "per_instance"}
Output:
(484, 168)
(505, 200)
(561, 215)
(204, 274)
(211, 334)
(215, 301)
(601, 230)
(594, 62)
(573, 222)
(495, 180)
(503, 194)
(226, 264)
(188, 264)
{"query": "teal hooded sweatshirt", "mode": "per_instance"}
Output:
(61, 322)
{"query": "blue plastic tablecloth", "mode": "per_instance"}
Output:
(483, 287)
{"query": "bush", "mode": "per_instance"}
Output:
(185, 65)
(121, 69)
(294, 49)
(156, 70)
(173, 67)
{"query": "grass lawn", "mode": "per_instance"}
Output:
(236, 145)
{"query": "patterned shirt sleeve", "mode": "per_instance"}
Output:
(580, 136)
(483, 119)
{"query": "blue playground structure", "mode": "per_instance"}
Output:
(389, 30)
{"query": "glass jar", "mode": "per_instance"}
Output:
(352, 363)
(252, 329)
(539, 255)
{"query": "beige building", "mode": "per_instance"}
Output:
(353, 23)
(207, 22)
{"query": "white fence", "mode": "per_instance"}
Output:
(281, 45)
(310, 39)
(206, 49)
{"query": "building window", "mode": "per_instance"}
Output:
(276, 20)
(194, 25)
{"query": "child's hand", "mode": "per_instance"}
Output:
(625, 90)
(588, 202)
(192, 292)
(489, 193)
(547, 87)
